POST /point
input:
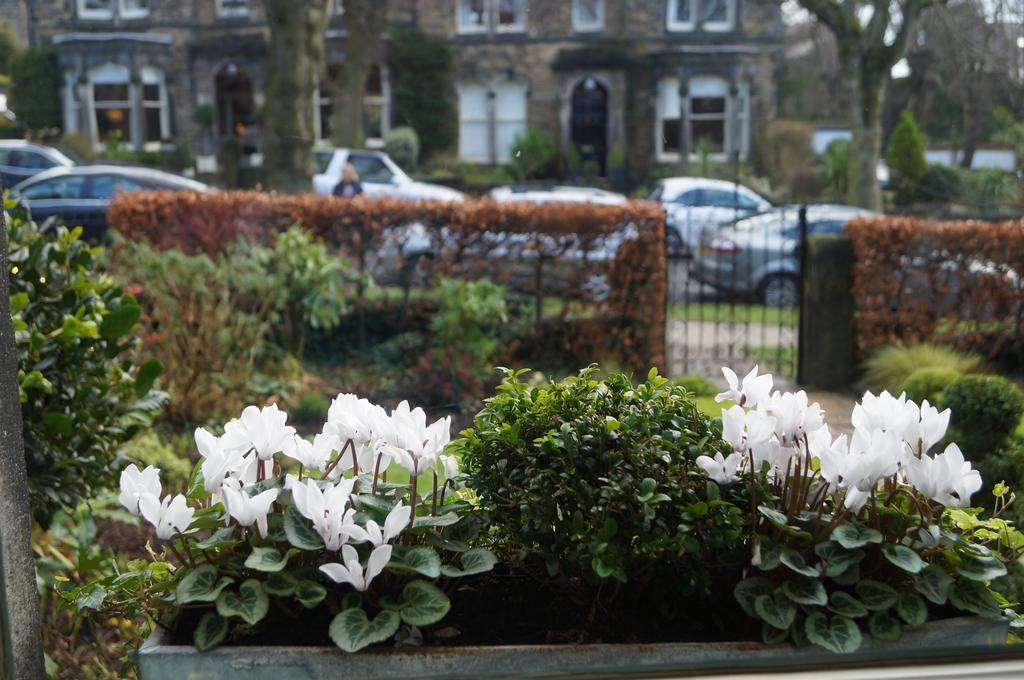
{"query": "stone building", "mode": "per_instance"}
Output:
(613, 81)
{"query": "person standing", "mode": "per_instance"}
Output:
(349, 186)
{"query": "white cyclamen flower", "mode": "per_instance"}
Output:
(314, 456)
(396, 520)
(170, 517)
(750, 392)
(746, 429)
(218, 463)
(926, 426)
(264, 430)
(248, 510)
(721, 469)
(794, 417)
(947, 478)
(328, 510)
(135, 484)
(882, 412)
(352, 570)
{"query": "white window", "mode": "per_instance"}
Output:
(680, 15)
(717, 15)
(707, 97)
(71, 103)
(134, 9)
(376, 107)
(110, 87)
(474, 125)
(587, 15)
(668, 131)
(156, 121)
(509, 118)
(232, 8)
(743, 118)
(482, 16)
(338, 6)
(472, 16)
(96, 9)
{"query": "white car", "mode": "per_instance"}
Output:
(379, 175)
(693, 203)
(557, 194)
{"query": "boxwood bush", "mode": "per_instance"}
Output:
(590, 481)
(986, 411)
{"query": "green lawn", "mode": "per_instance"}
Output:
(786, 316)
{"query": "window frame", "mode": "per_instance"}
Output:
(133, 13)
(661, 154)
(101, 75)
(473, 29)
(232, 12)
(154, 76)
(724, 26)
(484, 119)
(96, 14)
(725, 116)
(580, 26)
(674, 26)
(498, 119)
(518, 27)
(383, 100)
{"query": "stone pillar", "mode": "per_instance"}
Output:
(827, 331)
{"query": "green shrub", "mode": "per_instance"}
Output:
(470, 317)
(421, 88)
(534, 155)
(889, 367)
(596, 480)
(784, 150)
(35, 88)
(986, 411)
(311, 407)
(905, 158)
(9, 46)
(699, 385)
(833, 170)
(82, 396)
(929, 383)
(149, 449)
(939, 184)
(990, 189)
(403, 145)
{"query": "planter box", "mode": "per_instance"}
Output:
(951, 638)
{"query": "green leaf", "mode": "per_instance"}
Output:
(974, 596)
(772, 635)
(19, 301)
(220, 536)
(210, 632)
(92, 600)
(268, 559)
(423, 603)
(202, 584)
(147, 375)
(850, 535)
(59, 424)
(839, 634)
(119, 321)
(776, 610)
(912, 608)
(310, 593)
(196, 489)
(845, 604)
(748, 590)
(884, 626)
(805, 590)
(444, 520)
(250, 603)
(774, 516)
(420, 559)
(903, 557)
(300, 530)
(875, 595)
(837, 558)
(981, 568)
(933, 582)
(352, 631)
(795, 561)
(848, 577)
(280, 583)
(474, 561)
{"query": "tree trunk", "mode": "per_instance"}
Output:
(297, 32)
(865, 91)
(365, 21)
(19, 602)
(971, 122)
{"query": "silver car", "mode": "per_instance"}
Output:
(756, 257)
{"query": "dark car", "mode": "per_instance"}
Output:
(80, 196)
(20, 160)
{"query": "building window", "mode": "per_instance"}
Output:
(717, 15)
(669, 144)
(111, 104)
(232, 8)
(587, 15)
(477, 16)
(707, 114)
(680, 15)
(474, 133)
(96, 9)
(509, 118)
(155, 112)
(134, 9)
(338, 6)
(376, 105)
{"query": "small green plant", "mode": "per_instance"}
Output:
(986, 411)
(940, 184)
(148, 448)
(698, 384)
(929, 383)
(889, 367)
(905, 157)
(617, 158)
(533, 155)
(403, 145)
(470, 317)
(833, 170)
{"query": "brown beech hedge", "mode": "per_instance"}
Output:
(602, 268)
(959, 282)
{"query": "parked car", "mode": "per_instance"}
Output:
(379, 175)
(20, 160)
(693, 203)
(757, 256)
(80, 195)
(556, 194)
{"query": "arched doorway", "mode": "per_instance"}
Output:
(236, 108)
(589, 123)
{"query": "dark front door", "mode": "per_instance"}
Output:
(590, 123)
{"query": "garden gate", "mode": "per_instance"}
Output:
(735, 299)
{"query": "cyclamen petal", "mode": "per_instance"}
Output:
(135, 484)
(170, 517)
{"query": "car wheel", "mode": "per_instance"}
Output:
(674, 246)
(780, 290)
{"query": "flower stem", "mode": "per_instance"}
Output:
(433, 498)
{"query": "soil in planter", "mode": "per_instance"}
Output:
(504, 609)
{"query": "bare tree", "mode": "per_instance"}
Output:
(365, 23)
(297, 33)
(871, 37)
